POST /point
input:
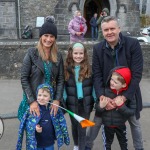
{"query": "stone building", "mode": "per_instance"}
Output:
(16, 14)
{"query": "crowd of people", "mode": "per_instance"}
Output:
(111, 83)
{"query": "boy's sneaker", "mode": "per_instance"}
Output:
(75, 148)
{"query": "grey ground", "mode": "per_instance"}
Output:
(11, 94)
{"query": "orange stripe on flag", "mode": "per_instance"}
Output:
(87, 123)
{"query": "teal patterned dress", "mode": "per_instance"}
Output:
(24, 104)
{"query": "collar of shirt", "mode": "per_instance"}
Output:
(77, 67)
(116, 46)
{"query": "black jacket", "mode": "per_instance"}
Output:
(72, 99)
(93, 22)
(32, 75)
(130, 55)
(117, 116)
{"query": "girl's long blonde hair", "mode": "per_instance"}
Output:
(53, 52)
(85, 69)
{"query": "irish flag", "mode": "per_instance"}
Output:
(84, 122)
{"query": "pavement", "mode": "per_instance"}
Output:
(11, 95)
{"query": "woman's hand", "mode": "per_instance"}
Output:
(78, 33)
(54, 108)
(38, 128)
(34, 108)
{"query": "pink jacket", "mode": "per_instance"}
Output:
(75, 26)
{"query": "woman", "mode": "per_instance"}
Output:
(77, 27)
(42, 64)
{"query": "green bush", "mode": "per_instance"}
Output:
(145, 21)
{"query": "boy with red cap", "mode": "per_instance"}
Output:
(114, 120)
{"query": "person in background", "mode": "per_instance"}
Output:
(43, 130)
(77, 27)
(79, 93)
(94, 27)
(117, 50)
(42, 64)
(103, 14)
(114, 120)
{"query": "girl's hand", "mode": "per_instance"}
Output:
(38, 128)
(34, 108)
(54, 108)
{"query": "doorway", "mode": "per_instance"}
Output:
(91, 7)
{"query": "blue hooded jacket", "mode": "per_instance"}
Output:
(29, 121)
(28, 124)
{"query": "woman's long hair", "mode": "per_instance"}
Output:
(53, 52)
(85, 70)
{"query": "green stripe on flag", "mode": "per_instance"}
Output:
(70, 112)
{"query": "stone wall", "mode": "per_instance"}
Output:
(8, 27)
(32, 9)
(12, 54)
(128, 13)
(16, 14)
(62, 16)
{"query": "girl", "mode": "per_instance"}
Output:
(78, 90)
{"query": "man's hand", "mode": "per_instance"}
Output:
(103, 102)
(109, 105)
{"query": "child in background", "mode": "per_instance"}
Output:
(43, 130)
(78, 90)
(114, 120)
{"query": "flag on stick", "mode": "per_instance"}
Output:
(84, 122)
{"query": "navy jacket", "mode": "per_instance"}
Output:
(130, 55)
(93, 22)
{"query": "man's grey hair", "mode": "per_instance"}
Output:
(110, 18)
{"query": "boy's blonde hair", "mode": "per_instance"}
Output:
(119, 77)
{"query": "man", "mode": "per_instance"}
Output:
(103, 14)
(94, 28)
(117, 50)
